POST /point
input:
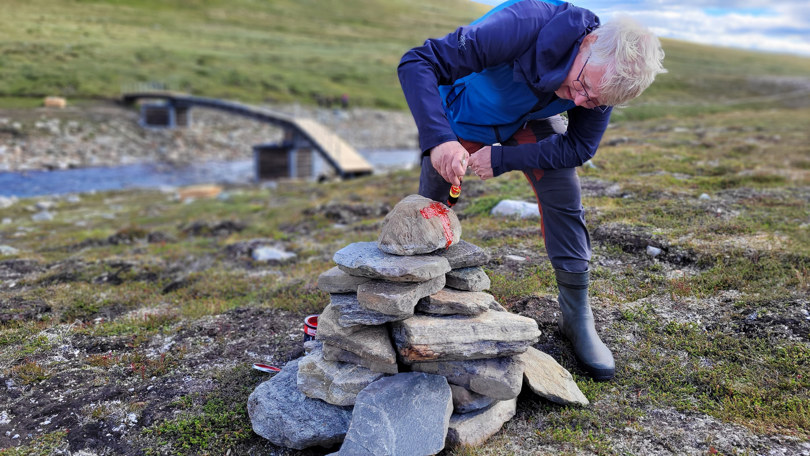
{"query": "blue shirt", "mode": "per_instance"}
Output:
(502, 70)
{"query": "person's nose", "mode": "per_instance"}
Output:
(580, 99)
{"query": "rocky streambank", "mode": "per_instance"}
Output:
(108, 134)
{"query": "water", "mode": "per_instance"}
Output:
(82, 180)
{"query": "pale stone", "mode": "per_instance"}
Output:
(454, 302)
(466, 401)
(370, 342)
(498, 378)
(550, 380)
(364, 259)
(396, 298)
(418, 225)
(455, 337)
(270, 254)
(511, 208)
(332, 353)
(337, 281)
(279, 412)
(468, 279)
(473, 429)
(464, 254)
(352, 313)
(333, 382)
(403, 415)
(8, 250)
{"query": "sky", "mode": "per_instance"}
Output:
(775, 26)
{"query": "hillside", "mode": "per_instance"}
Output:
(288, 50)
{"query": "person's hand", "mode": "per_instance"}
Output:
(481, 163)
(450, 160)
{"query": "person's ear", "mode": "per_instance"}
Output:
(588, 40)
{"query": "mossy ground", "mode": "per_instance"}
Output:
(128, 324)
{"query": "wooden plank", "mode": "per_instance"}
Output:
(339, 151)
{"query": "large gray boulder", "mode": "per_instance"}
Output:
(397, 299)
(333, 382)
(498, 378)
(550, 380)
(282, 414)
(456, 338)
(364, 259)
(369, 342)
(403, 415)
(468, 279)
(473, 429)
(418, 225)
(337, 281)
(464, 254)
(455, 302)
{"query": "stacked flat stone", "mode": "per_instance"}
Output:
(410, 311)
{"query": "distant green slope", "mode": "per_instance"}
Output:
(285, 50)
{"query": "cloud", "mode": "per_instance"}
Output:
(776, 26)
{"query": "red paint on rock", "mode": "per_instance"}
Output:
(439, 210)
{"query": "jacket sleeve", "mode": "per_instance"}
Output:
(498, 39)
(566, 150)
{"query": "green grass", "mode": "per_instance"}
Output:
(289, 50)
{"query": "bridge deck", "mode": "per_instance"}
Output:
(332, 147)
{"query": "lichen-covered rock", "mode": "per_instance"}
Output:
(456, 302)
(464, 255)
(473, 429)
(418, 225)
(498, 378)
(396, 298)
(370, 342)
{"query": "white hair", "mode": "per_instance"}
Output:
(631, 56)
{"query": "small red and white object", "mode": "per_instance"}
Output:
(266, 368)
(310, 327)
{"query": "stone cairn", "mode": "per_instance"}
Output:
(411, 354)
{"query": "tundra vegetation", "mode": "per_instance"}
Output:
(129, 322)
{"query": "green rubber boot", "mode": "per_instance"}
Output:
(576, 323)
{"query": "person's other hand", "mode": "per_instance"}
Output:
(450, 160)
(481, 163)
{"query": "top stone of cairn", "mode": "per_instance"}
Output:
(418, 225)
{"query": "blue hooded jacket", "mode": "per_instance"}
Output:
(483, 81)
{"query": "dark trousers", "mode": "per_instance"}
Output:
(562, 221)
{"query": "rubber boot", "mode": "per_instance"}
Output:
(576, 323)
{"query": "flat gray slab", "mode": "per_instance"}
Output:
(473, 429)
(456, 337)
(466, 401)
(403, 415)
(285, 416)
(333, 382)
(332, 353)
(468, 279)
(464, 254)
(498, 378)
(352, 313)
(364, 259)
(370, 342)
(455, 302)
(396, 298)
(337, 281)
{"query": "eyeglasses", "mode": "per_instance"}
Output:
(580, 88)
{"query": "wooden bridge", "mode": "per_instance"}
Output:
(294, 157)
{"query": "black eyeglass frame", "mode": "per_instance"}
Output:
(581, 90)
